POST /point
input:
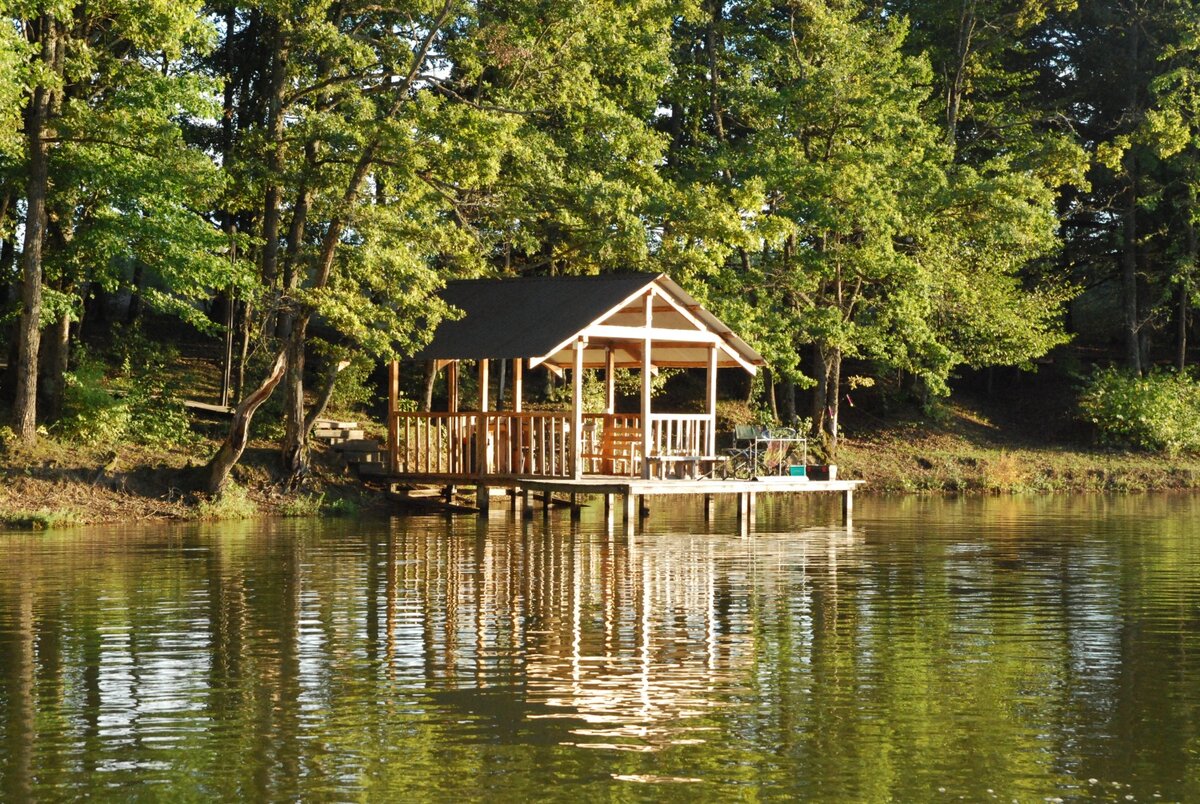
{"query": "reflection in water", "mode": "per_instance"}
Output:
(1021, 648)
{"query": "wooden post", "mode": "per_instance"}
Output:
(452, 387)
(482, 498)
(631, 516)
(518, 386)
(710, 448)
(648, 304)
(610, 381)
(577, 411)
(526, 505)
(576, 508)
(848, 508)
(481, 427)
(393, 450)
(708, 505)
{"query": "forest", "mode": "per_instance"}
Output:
(874, 193)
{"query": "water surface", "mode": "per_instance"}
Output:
(984, 648)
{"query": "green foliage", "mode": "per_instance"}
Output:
(303, 505)
(232, 503)
(1156, 412)
(42, 519)
(105, 406)
(344, 506)
(353, 390)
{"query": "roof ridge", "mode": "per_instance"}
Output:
(577, 277)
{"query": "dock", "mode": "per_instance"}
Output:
(634, 492)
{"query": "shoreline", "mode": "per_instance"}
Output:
(68, 488)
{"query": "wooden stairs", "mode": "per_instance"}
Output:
(363, 456)
(367, 459)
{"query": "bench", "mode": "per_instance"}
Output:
(618, 450)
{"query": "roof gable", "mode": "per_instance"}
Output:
(538, 318)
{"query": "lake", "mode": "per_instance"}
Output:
(987, 648)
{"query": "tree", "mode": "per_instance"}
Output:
(867, 239)
(107, 175)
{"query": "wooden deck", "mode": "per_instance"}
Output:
(634, 491)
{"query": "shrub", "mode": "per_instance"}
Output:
(343, 507)
(104, 407)
(43, 519)
(303, 505)
(232, 503)
(1156, 412)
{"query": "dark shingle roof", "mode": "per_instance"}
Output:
(527, 317)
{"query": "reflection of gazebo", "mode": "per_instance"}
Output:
(566, 324)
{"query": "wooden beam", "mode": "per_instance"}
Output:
(577, 412)
(452, 387)
(623, 333)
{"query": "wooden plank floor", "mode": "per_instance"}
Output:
(619, 485)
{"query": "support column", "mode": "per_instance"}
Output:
(631, 516)
(526, 505)
(393, 446)
(848, 507)
(482, 499)
(708, 506)
(481, 426)
(610, 381)
(577, 411)
(743, 512)
(648, 304)
(452, 387)
(576, 508)
(518, 384)
(711, 398)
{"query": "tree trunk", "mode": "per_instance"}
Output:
(217, 471)
(134, 312)
(275, 128)
(1129, 294)
(239, 385)
(957, 83)
(1184, 297)
(430, 381)
(833, 397)
(820, 402)
(294, 449)
(827, 361)
(769, 388)
(29, 329)
(318, 408)
(54, 367)
(789, 402)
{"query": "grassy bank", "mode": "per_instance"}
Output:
(965, 450)
(59, 485)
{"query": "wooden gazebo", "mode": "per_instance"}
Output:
(566, 324)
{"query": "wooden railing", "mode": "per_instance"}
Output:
(679, 433)
(537, 443)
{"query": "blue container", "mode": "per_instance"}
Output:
(797, 471)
